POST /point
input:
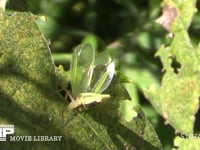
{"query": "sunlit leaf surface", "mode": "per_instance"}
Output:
(177, 98)
(27, 81)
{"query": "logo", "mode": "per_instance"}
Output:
(5, 130)
(9, 129)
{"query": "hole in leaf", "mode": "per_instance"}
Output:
(175, 65)
(141, 133)
(197, 121)
(176, 147)
(182, 135)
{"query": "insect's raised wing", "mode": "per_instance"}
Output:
(103, 73)
(81, 68)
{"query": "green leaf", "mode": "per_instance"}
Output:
(184, 143)
(28, 99)
(103, 126)
(28, 79)
(177, 98)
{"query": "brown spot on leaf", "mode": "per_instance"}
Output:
(168, 15)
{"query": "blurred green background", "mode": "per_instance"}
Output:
(126, 28)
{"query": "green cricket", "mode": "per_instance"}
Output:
(90, 76)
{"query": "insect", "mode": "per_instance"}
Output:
(90, 76)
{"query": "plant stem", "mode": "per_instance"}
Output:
(62, 58)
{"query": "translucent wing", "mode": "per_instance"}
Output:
(81, 68)
(102, 74)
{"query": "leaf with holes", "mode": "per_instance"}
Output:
(177, 99)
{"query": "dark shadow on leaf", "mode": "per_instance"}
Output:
(18, 107)
(131, 132)
(31, 123)
(9, 70)
(116, 128)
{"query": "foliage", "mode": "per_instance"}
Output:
(127, 30)
(28, 76)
